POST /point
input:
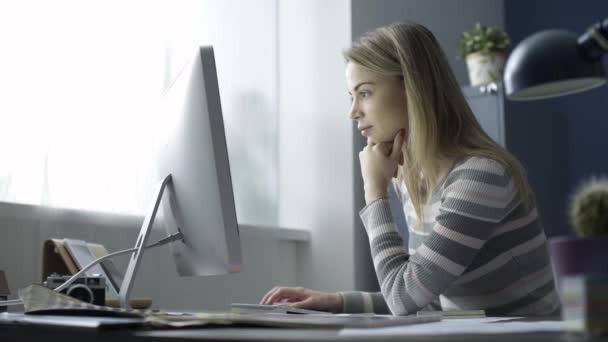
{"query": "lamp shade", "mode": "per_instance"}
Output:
(550, 63)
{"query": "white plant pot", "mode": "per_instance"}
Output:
(485, 67)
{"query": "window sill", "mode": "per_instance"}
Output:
(289, 234)
(27, 212)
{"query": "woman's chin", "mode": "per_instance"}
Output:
(376, 140)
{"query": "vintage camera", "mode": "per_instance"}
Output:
(89, 289)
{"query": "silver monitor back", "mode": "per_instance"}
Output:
(199, 201)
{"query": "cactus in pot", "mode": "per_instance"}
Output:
(589, 208)
(588, 252)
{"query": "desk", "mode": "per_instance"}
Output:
(11, 330)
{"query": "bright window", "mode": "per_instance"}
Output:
(80, 81)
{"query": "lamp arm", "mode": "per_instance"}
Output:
(594, 42)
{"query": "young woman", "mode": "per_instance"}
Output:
(476, 241)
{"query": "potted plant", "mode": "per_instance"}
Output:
(588, 252)
(484, 49)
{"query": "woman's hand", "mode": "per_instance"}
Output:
(378, 165)
(299, 297)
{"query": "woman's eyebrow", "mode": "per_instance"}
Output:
(362, 83)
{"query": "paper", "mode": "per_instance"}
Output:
(492, 325)
(39, 299)
(73, 321)
(286, 320)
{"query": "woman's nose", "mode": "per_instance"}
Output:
(354, 111)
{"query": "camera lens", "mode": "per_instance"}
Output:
(81, 292)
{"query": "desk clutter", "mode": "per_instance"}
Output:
(65, 257)
(39, 300)
(62, 258)
(585, 302)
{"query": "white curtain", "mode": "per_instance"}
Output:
(80, 82)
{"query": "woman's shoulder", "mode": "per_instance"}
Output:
(480, 163)
(480, 187)
(479, 169)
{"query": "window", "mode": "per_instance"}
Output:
(81, 82)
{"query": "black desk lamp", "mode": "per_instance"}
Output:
(555, 62)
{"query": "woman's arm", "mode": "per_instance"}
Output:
(362, 302)
(475, 200)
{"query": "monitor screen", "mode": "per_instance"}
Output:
(199, 200)
(195, 191)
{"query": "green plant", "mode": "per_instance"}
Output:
(484, 39)
(589, 208)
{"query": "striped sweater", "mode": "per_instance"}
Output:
(479, 247)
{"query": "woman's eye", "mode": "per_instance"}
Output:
(364, 94)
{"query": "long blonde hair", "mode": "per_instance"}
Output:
(441, 123)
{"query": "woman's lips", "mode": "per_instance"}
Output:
(365, 131)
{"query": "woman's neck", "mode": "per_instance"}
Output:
(444, 166)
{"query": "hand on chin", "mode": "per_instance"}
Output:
(372, 141)
(388, 149)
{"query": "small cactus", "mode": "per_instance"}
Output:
(589, 208)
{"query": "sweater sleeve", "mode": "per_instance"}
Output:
(364, 302)
(474, 201)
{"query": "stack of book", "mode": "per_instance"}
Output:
(585, 302)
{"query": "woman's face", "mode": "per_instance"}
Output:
(378, 103)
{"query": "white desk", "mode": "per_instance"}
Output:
(17, 328)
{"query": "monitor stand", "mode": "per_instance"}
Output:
(127, 284)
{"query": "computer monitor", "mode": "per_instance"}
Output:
(193, 163)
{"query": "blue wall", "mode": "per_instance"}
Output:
(586, 113)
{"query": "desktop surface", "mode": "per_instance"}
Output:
(16, 327)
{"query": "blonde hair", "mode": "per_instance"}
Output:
(441, 123)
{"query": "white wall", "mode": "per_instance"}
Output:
(315, 150)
